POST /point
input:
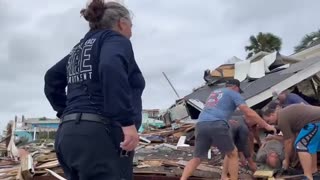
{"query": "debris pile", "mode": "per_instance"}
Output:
(161, 152)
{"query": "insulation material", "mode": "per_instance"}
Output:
(241, 70)
(257, 70)
(268, 60)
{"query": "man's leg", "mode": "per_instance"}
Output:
(202, 145)
(314, 163)
(244, 147)
(225, 165)
(233, 163)
(252, 165)
(306, 163)
(190, 168)
(224, 142)
(251, 144)
(306, 144)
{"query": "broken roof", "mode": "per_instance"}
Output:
(261, 89)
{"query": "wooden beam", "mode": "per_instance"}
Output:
(27, 170)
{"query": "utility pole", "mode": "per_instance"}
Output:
(171, 84)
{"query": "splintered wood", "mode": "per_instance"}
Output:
(263, 174)
(162, 152)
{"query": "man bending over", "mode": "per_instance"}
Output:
(302, 119)
(212, 128)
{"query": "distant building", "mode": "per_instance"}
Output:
(41, 123)
(32, 127)
(152, 113)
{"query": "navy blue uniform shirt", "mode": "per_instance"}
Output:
(99, 76)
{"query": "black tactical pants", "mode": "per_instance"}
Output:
(91, 151)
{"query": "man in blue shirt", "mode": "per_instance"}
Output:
(213, 129)
(285, 98)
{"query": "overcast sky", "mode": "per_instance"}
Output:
(179, 37)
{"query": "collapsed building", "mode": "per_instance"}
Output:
(260, 76)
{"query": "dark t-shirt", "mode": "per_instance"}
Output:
(294, 117)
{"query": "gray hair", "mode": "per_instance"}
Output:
(104, 15)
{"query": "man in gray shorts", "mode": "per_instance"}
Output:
(212, 128)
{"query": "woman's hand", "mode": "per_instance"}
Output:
(131, 138)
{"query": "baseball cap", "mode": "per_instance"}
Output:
(234, 82)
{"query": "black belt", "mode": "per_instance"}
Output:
(85, 117)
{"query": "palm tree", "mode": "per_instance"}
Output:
(308, 41)
(267, 42)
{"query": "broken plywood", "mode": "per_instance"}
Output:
(263, 174)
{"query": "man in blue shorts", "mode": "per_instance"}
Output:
(212, 128)
(302, 119)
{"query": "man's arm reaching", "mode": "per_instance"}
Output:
(252, 115)
(288, 145)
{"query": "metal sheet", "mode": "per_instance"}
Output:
(241, 70)
(268, 60)
(257, 70)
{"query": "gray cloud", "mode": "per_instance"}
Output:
(181, 38)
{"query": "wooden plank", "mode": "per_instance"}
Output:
(263, 174)
(171, 163)
(27, 170)
(189, 129)
(202, 167)
(181, 142)
(178, 134)
(46, 158)
(145, 140)
(55, 174)
(48, 165)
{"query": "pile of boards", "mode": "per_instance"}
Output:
(161, 153)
